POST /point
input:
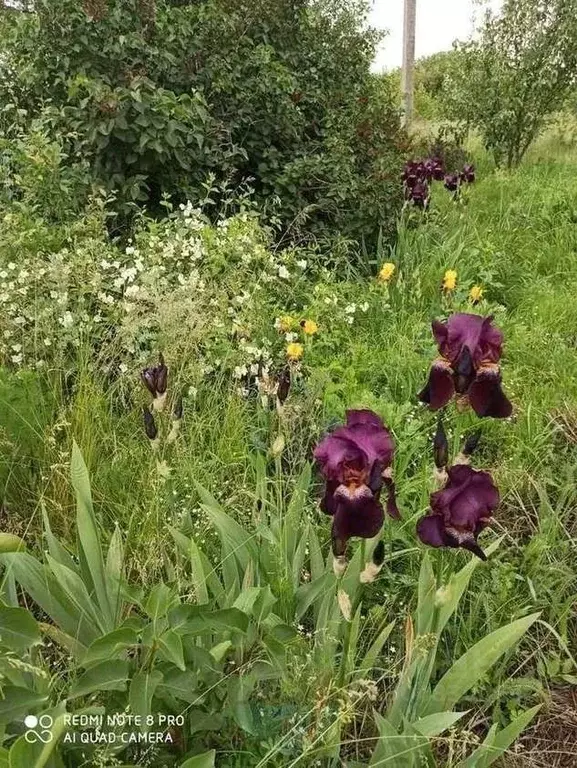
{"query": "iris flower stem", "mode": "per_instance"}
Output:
(424, 666)
(343, 672)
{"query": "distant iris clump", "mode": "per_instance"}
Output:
(418, 176)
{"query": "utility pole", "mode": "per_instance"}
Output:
(408, 60)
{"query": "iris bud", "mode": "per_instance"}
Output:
(440, 447)
(149, 424)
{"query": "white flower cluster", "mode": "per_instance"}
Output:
(195, 289)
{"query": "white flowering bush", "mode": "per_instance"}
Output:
(182, 284)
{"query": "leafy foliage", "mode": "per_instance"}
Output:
(153, 653)
(508, 82)
(269, 97)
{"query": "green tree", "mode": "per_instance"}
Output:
(516, 74)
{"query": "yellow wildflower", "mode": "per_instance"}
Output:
(294, 351)
(450, 280)
(285, 323)
(309, 327)
(476, 294)
(387, 271)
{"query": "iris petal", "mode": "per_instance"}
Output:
(431, 531)
(328, 502)
(440, 387)
(363, 517)
(487, 397)
(334, 451)
(365, 418)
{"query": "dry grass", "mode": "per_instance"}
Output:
(552, 741)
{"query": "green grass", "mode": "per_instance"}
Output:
(515, 235)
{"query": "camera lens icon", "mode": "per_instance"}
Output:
(38, 729)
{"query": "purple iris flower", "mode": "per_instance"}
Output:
(468, 173)
(355, 461)
(452, 181)
(438, 169)
(460, 510)
(470, 348)
(413, 172)
(433, 169)
(420, 195)
(155, 378)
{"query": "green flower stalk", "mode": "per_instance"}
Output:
(176, 421)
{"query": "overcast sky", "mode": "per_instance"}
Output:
(439, 22)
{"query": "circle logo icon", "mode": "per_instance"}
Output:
(38, 729)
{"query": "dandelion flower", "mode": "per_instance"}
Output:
(450, 280)
(285, 323)
(294, 351)
(386, 272)
(476, 294)
(309, 327)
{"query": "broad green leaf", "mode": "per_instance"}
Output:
(256, 602)
(18, 628)
(307, 594)
(426, 597)
(194, 619)
(299, 557)
(18, 702)
(232, 574)
(393, 750)
(9, 542)
(58, 552)
(433, 725)
(350, 582)
(44, 589)
(140, 693)
(239, 691)
(182, 685)
(370, 658)
(204, 760)
(203, 573)
(88, 533)
(112, 645)
(171, 648)
(219, 651)
(107, 676)
(330, 625)
(114, 562)
(473, 664)
(75, 590)
(238, 541)
(8, 591)
(498, 742)
(196, 567)
(160, 600)
(456, 587)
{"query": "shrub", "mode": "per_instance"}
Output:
(157, 97)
